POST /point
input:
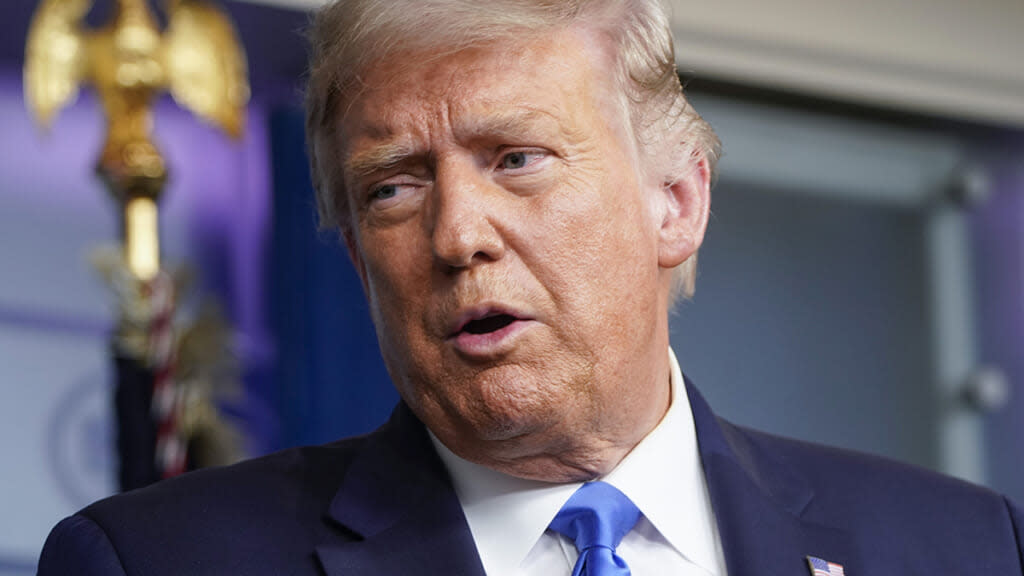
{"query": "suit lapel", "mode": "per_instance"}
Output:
(762, 505)
(398, 503)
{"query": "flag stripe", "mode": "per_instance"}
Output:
(821, 567)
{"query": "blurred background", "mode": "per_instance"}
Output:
(862, 282)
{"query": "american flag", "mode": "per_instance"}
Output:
(820, 567)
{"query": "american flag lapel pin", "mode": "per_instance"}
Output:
(821, 567)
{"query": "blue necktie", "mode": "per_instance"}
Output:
(596, 517)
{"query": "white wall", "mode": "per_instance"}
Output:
(961, 59)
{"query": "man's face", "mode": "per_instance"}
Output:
(509, 250)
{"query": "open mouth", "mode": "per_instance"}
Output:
(488, 324)
(487, 330)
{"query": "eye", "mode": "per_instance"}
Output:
(513, 160)
(519, 159)
(389, 193)
(384, 192)
(393, 200)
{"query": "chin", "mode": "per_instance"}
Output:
(508, 415)
(498, 417)
(513, 409)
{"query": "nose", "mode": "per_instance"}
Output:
(465, 215)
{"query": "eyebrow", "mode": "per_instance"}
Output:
(378, 157)
(504, 126)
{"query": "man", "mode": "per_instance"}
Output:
(523, 188)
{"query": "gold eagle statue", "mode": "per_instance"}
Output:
(129, 61)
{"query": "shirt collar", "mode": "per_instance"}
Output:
(662, 475)
(506, 515)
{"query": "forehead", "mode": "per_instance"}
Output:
(551, 78)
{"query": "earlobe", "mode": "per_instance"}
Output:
(687, 201)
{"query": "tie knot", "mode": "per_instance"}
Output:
(597, 514)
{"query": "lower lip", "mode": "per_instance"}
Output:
(492, 343)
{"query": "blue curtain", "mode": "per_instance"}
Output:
(331, 379)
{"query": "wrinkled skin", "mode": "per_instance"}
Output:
(502, 180)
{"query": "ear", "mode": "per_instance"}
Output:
(687, 200)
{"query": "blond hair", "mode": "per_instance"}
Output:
(348, 36)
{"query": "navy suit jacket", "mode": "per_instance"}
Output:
(383, 504)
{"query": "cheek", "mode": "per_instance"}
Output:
(602, 215)
(593, 244)
(395, 276)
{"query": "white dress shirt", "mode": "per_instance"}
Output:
(662, 475)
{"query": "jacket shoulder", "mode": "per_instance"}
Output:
(77, 545)
(889, 502)
(247, 518)
(837, 472)
(297, 477)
